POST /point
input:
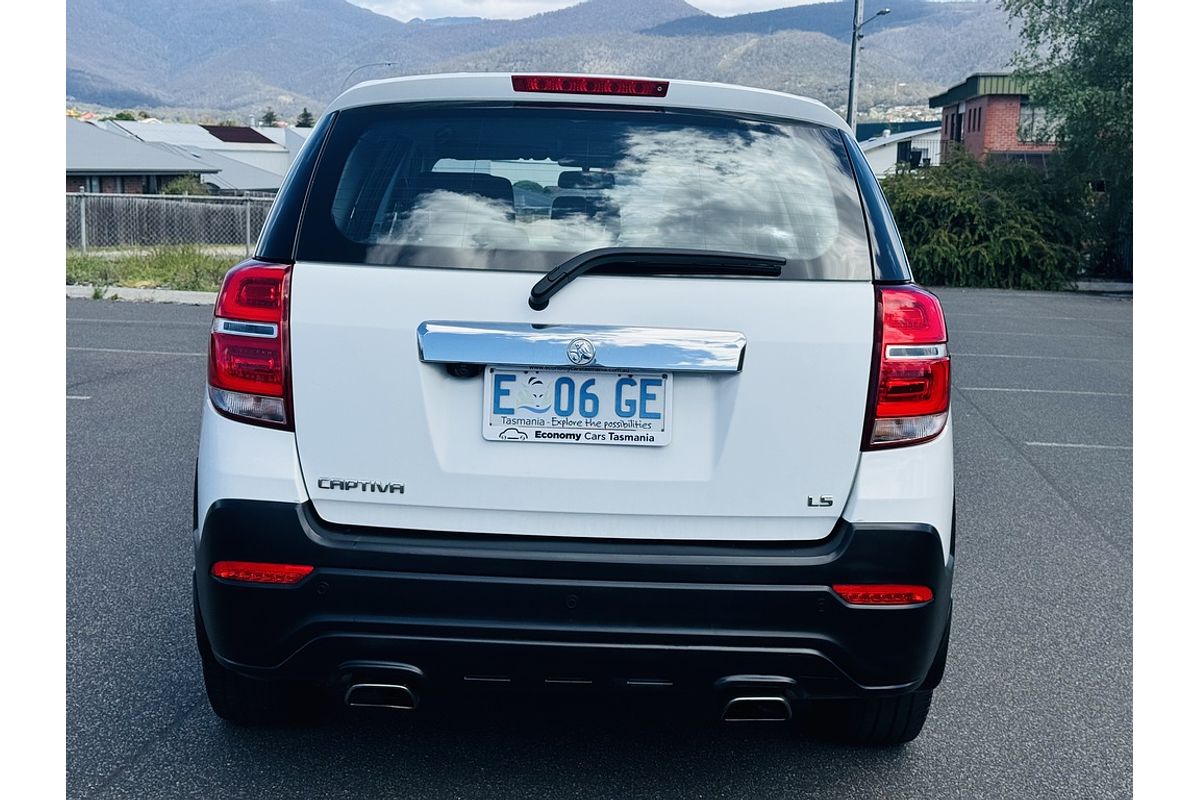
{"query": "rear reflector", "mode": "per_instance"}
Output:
(561, 84)
(259, 572)
(883, 594)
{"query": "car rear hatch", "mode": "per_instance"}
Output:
(646, 400)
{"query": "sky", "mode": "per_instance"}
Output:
(515, 9)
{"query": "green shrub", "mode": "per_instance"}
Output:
(89, 269)
(967, 223)
(186, 184)
(185, 267)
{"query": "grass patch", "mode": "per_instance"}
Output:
(184, 267)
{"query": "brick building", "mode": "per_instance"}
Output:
(102, 161)
(989, 114)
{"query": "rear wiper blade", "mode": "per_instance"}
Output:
(654, 260)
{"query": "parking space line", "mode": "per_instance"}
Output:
(1045, 335)
(79, 397)
(137, 352)
(1042, 391)
(139, 321)
(952, 315)
(1079, 446)
(1041, 358)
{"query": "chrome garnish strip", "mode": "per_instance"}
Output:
(616, 346)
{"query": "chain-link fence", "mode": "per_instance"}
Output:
(124, 222)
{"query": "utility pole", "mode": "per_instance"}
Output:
(852, 101)
(855, 38)
(363, 66)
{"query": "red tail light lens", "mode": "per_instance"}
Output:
(562, 84)
(245, 366)
(248, 349)
(911, 392)
(882, 594)
(259, 572)
(253, 291)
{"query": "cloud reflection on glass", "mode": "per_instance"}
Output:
(762, 189)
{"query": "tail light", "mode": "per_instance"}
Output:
(565, 84)
(248, 351)
(910, 393)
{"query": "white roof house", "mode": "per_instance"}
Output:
(293, 139)
(97, 158)
(238, 142)
(234, 175)
(919, 148)
(91, 151)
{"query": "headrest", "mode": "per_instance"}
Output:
(568, 205)
(491, 186)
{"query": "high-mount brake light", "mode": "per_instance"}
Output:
(883, 594)
(564, 84)
(910, 394)
(248, 348)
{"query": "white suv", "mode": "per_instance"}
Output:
(569, 380)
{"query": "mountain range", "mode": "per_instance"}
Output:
(230, 58)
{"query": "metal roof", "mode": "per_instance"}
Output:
(92, 151)
(873, 130)
(882, 141)
(977, 85)
(187, 134)
(171, 132)
(234, 174)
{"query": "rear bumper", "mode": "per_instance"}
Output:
(533, 610)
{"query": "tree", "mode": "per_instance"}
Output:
(121, 116)
(1078, 61)
(268, 118)
(186, 184)
(305, 120)
(1009, 226)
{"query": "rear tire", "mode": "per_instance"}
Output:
(247, 701)
(874, 721)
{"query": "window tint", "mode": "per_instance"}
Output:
(527, 187)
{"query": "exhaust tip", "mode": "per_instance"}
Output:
(757, 709)
(381, 695)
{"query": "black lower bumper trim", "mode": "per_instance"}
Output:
(533, 609)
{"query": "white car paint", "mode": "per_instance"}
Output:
(748, 449)
(698, 95)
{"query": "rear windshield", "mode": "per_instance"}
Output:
(528, 187)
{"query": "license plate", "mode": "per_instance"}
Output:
(577, 406)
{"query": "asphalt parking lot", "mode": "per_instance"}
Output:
(1035, 702)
